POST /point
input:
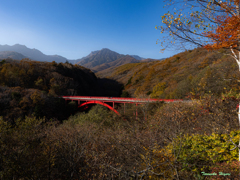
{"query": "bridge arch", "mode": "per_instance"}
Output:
(99, 102)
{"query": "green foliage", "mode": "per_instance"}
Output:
(197, 153)
(98, 114)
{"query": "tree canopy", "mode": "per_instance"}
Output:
(206, 23)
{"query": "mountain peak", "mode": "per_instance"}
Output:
(19, 45)
(105, 49)
(96, 58)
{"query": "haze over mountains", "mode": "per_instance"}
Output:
(33, 54)
(12, 55)
(96, 60)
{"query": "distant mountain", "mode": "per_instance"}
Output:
(86, 57)
(33, 54)
(137, 57)
(11, 55)
(97, 58)
(199, 71)
(105, 61)
(107, 68)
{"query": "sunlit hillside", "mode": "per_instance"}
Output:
(198, 71)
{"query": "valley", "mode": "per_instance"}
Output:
(37, 126)
(120, 90)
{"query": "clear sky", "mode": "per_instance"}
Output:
(74, 28)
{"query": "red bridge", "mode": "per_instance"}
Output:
(83, 101)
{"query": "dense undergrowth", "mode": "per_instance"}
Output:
(172, 141)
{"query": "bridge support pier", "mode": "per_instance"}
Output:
(136, 111)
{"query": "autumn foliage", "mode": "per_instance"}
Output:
(198, 71)
(171, 141)
(226, 34)
(176, 141)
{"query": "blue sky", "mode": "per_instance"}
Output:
(74, 28)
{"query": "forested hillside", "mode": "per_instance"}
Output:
(28, 87)
(198, 71)
(106, 67)
(42, 137)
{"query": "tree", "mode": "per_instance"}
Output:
(158, 90)
(198, 153)
(196, 19)
(212, 24)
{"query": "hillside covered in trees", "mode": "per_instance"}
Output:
(176, 141)
(198, 71)
(42, 137)
(28, 87)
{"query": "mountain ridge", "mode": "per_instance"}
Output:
(33, 54)
(100, 57)
(11, 55)
(24, 50)
(97, 60)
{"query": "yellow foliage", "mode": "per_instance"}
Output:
(204, 148)
(36, 97)
(160, 159)
(158, 90)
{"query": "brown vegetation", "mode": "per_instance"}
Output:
(100, 145)
(198, 71)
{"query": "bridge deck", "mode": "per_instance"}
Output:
(117, 99)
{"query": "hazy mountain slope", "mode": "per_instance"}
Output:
(198, 71)
(106, 69)
(33, 54)
(100, 57)
(137, 57)
(95, 58)
(86, 57)
(11, 55)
